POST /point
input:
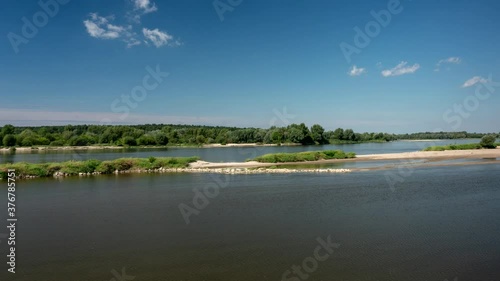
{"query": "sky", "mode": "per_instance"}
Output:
(379, 65)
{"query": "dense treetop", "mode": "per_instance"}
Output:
(161, 134)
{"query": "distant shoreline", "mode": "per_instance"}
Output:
(254, 167)
(110, 147)
(28, 149)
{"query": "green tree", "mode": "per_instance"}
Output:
(9, 140)
(349, 135)
(8, 130)
(129, 141)
(161, 138)
(488, 141)
(295, 135)
(317, 134)
(338, 134)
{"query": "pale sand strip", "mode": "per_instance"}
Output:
(442, 155)
(451, 154)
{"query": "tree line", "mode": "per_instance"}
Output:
(161, 134)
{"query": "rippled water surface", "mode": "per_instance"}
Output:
(437, 223)
(221, 154)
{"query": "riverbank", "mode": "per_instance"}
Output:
(30, 149)
(194, 165)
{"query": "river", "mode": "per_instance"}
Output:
(439, 223)
(220, 154)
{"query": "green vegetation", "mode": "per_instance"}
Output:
(454, 147)
(488, 141)
(24, 169)
(161, 135)
(304, 156)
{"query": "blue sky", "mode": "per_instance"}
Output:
(253, 63)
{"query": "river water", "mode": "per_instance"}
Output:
(221, 154)
(438, 223)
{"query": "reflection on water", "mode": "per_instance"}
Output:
(437, 224)
(222, 154)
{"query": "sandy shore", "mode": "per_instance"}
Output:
(101, 147)
(431, 159)
(58, 148)
(447, 154)
(430, 155)
(246, 145)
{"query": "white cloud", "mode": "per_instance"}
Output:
(473, 81)
(401, 69)
(100, 27)
(145, 6)
(158, 37)
(355, 71)
(450, 60)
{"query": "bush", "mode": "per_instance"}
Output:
(106, 167)
(9, 140)
(57, 143)
(89, 166)
(304, 156)
(146, 140)
(488, 141)
(129, 141)
(454, 147)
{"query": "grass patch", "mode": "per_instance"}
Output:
(304, 156)
(454, 147)
(24, 169)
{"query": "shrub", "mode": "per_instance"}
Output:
(488, 141)
(304, 156)
(124, 164)
(9, 140)
(89, 166)
(57, 143)
(106, 167)
(129, 141)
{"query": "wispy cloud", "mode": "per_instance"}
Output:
(141, 7)
(102, 28)
(450, 60)
(145, 6)
(99, 27)
(29, 117)
(473, 81)
(159, 38)
(355, 71)
(401, 69)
